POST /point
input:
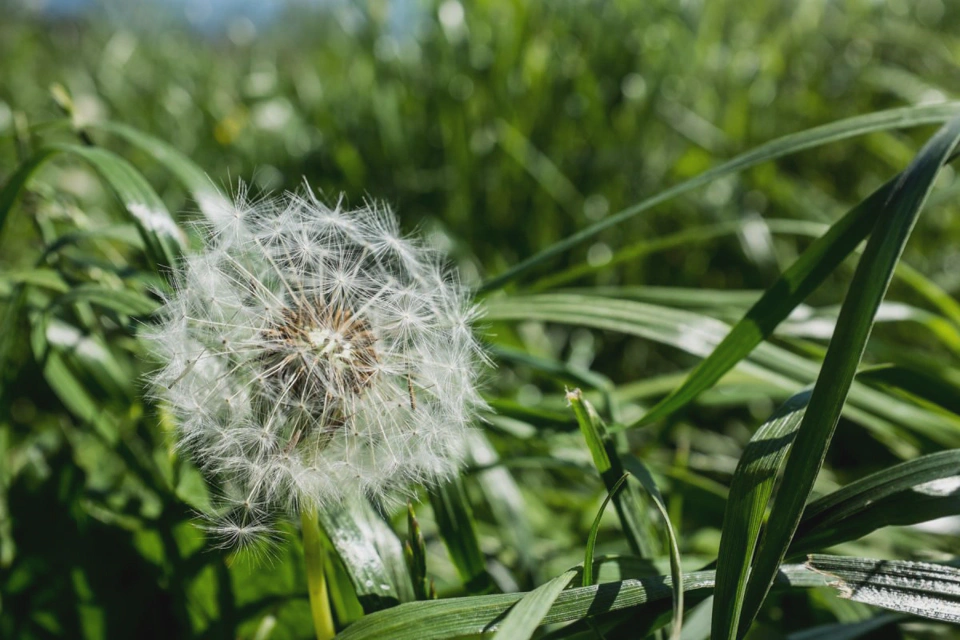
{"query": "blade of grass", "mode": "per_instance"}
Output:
(639, 470)
(813, 266)
(869, 284)
(190, 175)
(636, 526)
(750, 491)
(162, 236)
(457, 529)
(525, 616)
(379, 577)
(918, 588)
(882, 120)
(595, 529)
(894, 585)
(699, 334)
(915, 491)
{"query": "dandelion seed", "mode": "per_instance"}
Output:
(312, 355)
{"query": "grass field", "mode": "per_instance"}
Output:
(712, 247)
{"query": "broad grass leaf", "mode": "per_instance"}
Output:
(371, 554)
(918, 490)
(870, 281)
(525, 616)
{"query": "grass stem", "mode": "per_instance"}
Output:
(315, 556)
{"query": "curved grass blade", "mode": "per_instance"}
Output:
(869, 284)
(123, 301)
(526, 615)
(750, 490)
(190, 175)
(642, 474)
(595, 529)
(937, 384)
(371, 554)
(164, 239)
(16, 183)
(890, 419)
(895, 585)
(636, 526)
(162, 236)
(918, 588)
(451, 509)
(813, 266)
(922, 489)
(882, 120)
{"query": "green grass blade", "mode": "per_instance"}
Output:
(606, 459)
(889, 418)
(477, 615)
(639, 470)
(371, 554)
(41, 277)
(455, 523)
(919, 490)
(854, 324)
(595, 529)
(813, 266)
(526, 615)
(190, 175)
(123, 301)
(164, 239)
(750, 490)
(919, 588)
(882, 120)
(18, 181)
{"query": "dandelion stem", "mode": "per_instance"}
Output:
(315, 556)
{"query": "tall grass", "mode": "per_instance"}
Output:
(691, 214)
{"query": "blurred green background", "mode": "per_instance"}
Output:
(496, 127)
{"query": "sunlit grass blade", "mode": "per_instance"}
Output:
(918, 490)
(371, 554)
(124, 301)
(933, 383)
(889, 418)
(163, 238)
(750, 490)
(642, 474)
(457, 529)
(636, 526)
(595, 529)
(190, 175)
(892, 119)
(854, 324)
(919, 588)
(893, 585)
(526, 615)
(813, 266)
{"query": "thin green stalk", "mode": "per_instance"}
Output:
(316, 557)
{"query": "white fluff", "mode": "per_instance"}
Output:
(313, 355)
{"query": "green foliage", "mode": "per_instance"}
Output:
(661, 204)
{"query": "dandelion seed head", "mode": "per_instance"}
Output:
(313, 354)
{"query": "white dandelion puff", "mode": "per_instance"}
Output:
(312, 355)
